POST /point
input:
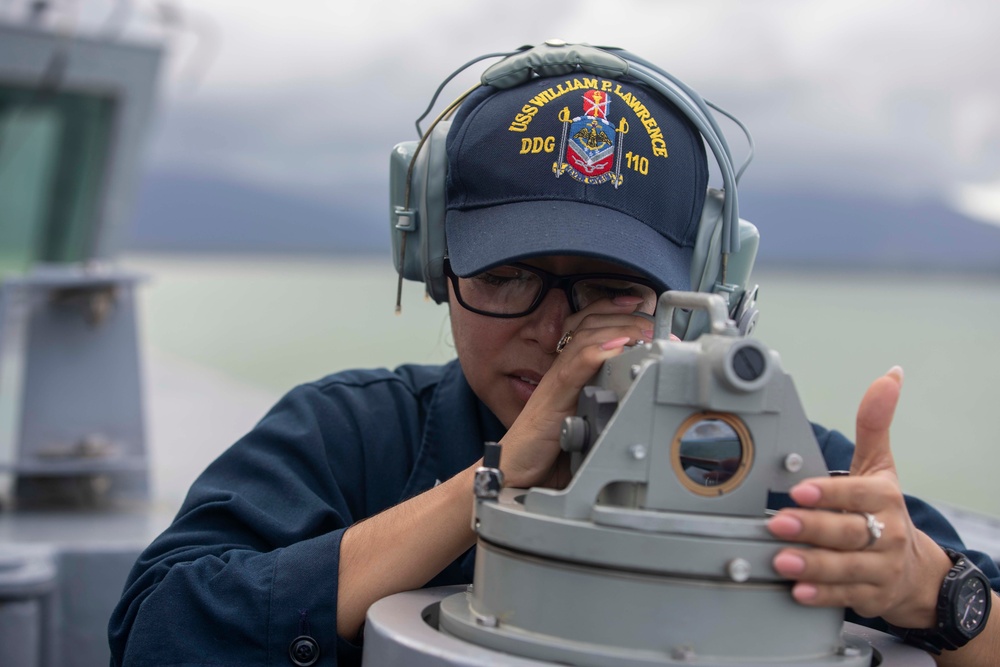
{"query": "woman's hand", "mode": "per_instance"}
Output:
(595, 334)
(897, 575)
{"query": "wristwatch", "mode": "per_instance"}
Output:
(962, 609)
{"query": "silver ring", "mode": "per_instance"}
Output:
(564, 341)
(875, 528)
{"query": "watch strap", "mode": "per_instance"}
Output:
(937, 639)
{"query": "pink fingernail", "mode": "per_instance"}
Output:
(627, 300)
(615, 343)
(648, 333)
(804, 592)
(784, 525)
(789, 565)
(806, 494)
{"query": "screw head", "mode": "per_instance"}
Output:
(487, 620)
(793, 462)
(638, 451)
(738, 570)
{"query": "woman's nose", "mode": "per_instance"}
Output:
(547, 323)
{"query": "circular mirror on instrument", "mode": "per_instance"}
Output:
(712, 453)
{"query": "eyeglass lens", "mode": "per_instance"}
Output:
(509, 290)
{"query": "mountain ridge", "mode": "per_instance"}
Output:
(187, 213)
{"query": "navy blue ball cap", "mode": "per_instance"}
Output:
(577, 165)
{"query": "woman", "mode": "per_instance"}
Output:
(572, 202)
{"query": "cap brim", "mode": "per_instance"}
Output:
(479, 239)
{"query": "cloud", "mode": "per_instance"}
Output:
(979, 201)
(896, 97)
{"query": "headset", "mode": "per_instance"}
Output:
(726, 245)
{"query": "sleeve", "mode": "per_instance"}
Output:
(247, 573)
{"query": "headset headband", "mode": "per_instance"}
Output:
(424, 163)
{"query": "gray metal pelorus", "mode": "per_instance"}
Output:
(657, 552)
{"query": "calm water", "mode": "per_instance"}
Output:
(277, 322)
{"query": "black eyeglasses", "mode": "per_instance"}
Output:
(515, 290)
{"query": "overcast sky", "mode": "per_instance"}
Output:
(901, 97)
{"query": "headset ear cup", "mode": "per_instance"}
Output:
(706, 270)
(434, 202)
(705, 263)
(417, 221)
(707, 260)
(739, 269)
(404, 218)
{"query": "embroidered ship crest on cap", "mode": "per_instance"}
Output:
(587, 149)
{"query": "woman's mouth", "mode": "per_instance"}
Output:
(524, 385)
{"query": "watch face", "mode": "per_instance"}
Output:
(971, 605)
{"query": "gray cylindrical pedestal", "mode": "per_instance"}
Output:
(403, 629)
(588, 616)
(27, 582)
